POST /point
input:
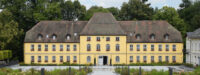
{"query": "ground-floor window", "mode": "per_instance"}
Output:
(174, 58)
(152, 59)
(117, 59)
(61, 58)
(39, 58)
(75, 59)
(46, 58)
(138, 58)
(32, 58)
(88, 59)
(131, 58)
(53, 58)
(145, 59)
(68, 58)
(167, 59)
(160, 58)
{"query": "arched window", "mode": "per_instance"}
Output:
(152, 36)
(138, 36)
(98, 47)
(166, 36)
(117, 59)
(107, 47)
(40, 36)
(54, 36)
(68, 36)
(88, 59)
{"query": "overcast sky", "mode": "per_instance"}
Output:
(118, 3)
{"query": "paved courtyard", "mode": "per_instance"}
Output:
(102, 70)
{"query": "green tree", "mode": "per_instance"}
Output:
(115, 11)
(136, 9)
(93, 10)
(171, 15)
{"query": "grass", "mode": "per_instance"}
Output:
(82, 71)
(124, 71)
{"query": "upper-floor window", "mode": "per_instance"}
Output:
(152, 36)
(68, 47)
(167, 47)
(75, 48)
(88, 38)
(107, 38)
(131, 58)
(160, 58)
(53, 58)
(54, 36)
(160, 47)
(32, 58)
(117, 59)
(61, 58)
(98, 39)
(88, 59)
(107, 47)
(145, 59)
(131, 47)
(39, 47)
(166, 36)
(61, 47)
(152, 47)
(138, 47)
(117, 47)
(88, 47)
(117, 38)
(32, 47)
(98, 47)
(54, 47)
(46, 47)
(39, 58)
(46, 58)
(138, 36)
(145, 47)
(174, 47)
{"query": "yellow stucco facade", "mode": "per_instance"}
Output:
(138, 53)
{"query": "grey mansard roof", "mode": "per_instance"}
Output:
(194, 35)
(103, 24)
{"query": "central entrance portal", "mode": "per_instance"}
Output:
(103, 60)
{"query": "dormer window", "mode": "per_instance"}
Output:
(75, 34)
(47, 36)
(54, 36)
(152, 36)
(40, 36)
(166, 36)
(138, 36)
(131, 34)
(68, 36)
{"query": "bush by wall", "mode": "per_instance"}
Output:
(5, 54)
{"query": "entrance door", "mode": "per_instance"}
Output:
(105, 60)
(100, 60)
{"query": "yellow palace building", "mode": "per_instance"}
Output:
(103, 41)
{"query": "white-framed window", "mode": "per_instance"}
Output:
(145, 47)
(98, 47)
(46, 58)
(98, 39)
(138, 58)
(32, 47)
(68, 58)
(174, 47)
(75, 59)
(152, 58)
(160, 58)
(88, 59)
(88, 47)
(39, 47)
(107, 47)
(138, 47)
(74, 47)
(107, 38)
(88, 38)
(131, 47)
(32, 58)
(167, 47)
(54, 37)
(54, 58)
(68, 47)
(61, 47)
(117, 38)
(160, 47)
(166, 58)
(54, 47)
(61, 58)
(46, 47)
(152, 47)
(131, 58)
(174, 58)
(117, 59)
(39, 58)
(117, 47)
(145, 58)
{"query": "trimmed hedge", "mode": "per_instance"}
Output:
(64, 64)
(5, 54)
